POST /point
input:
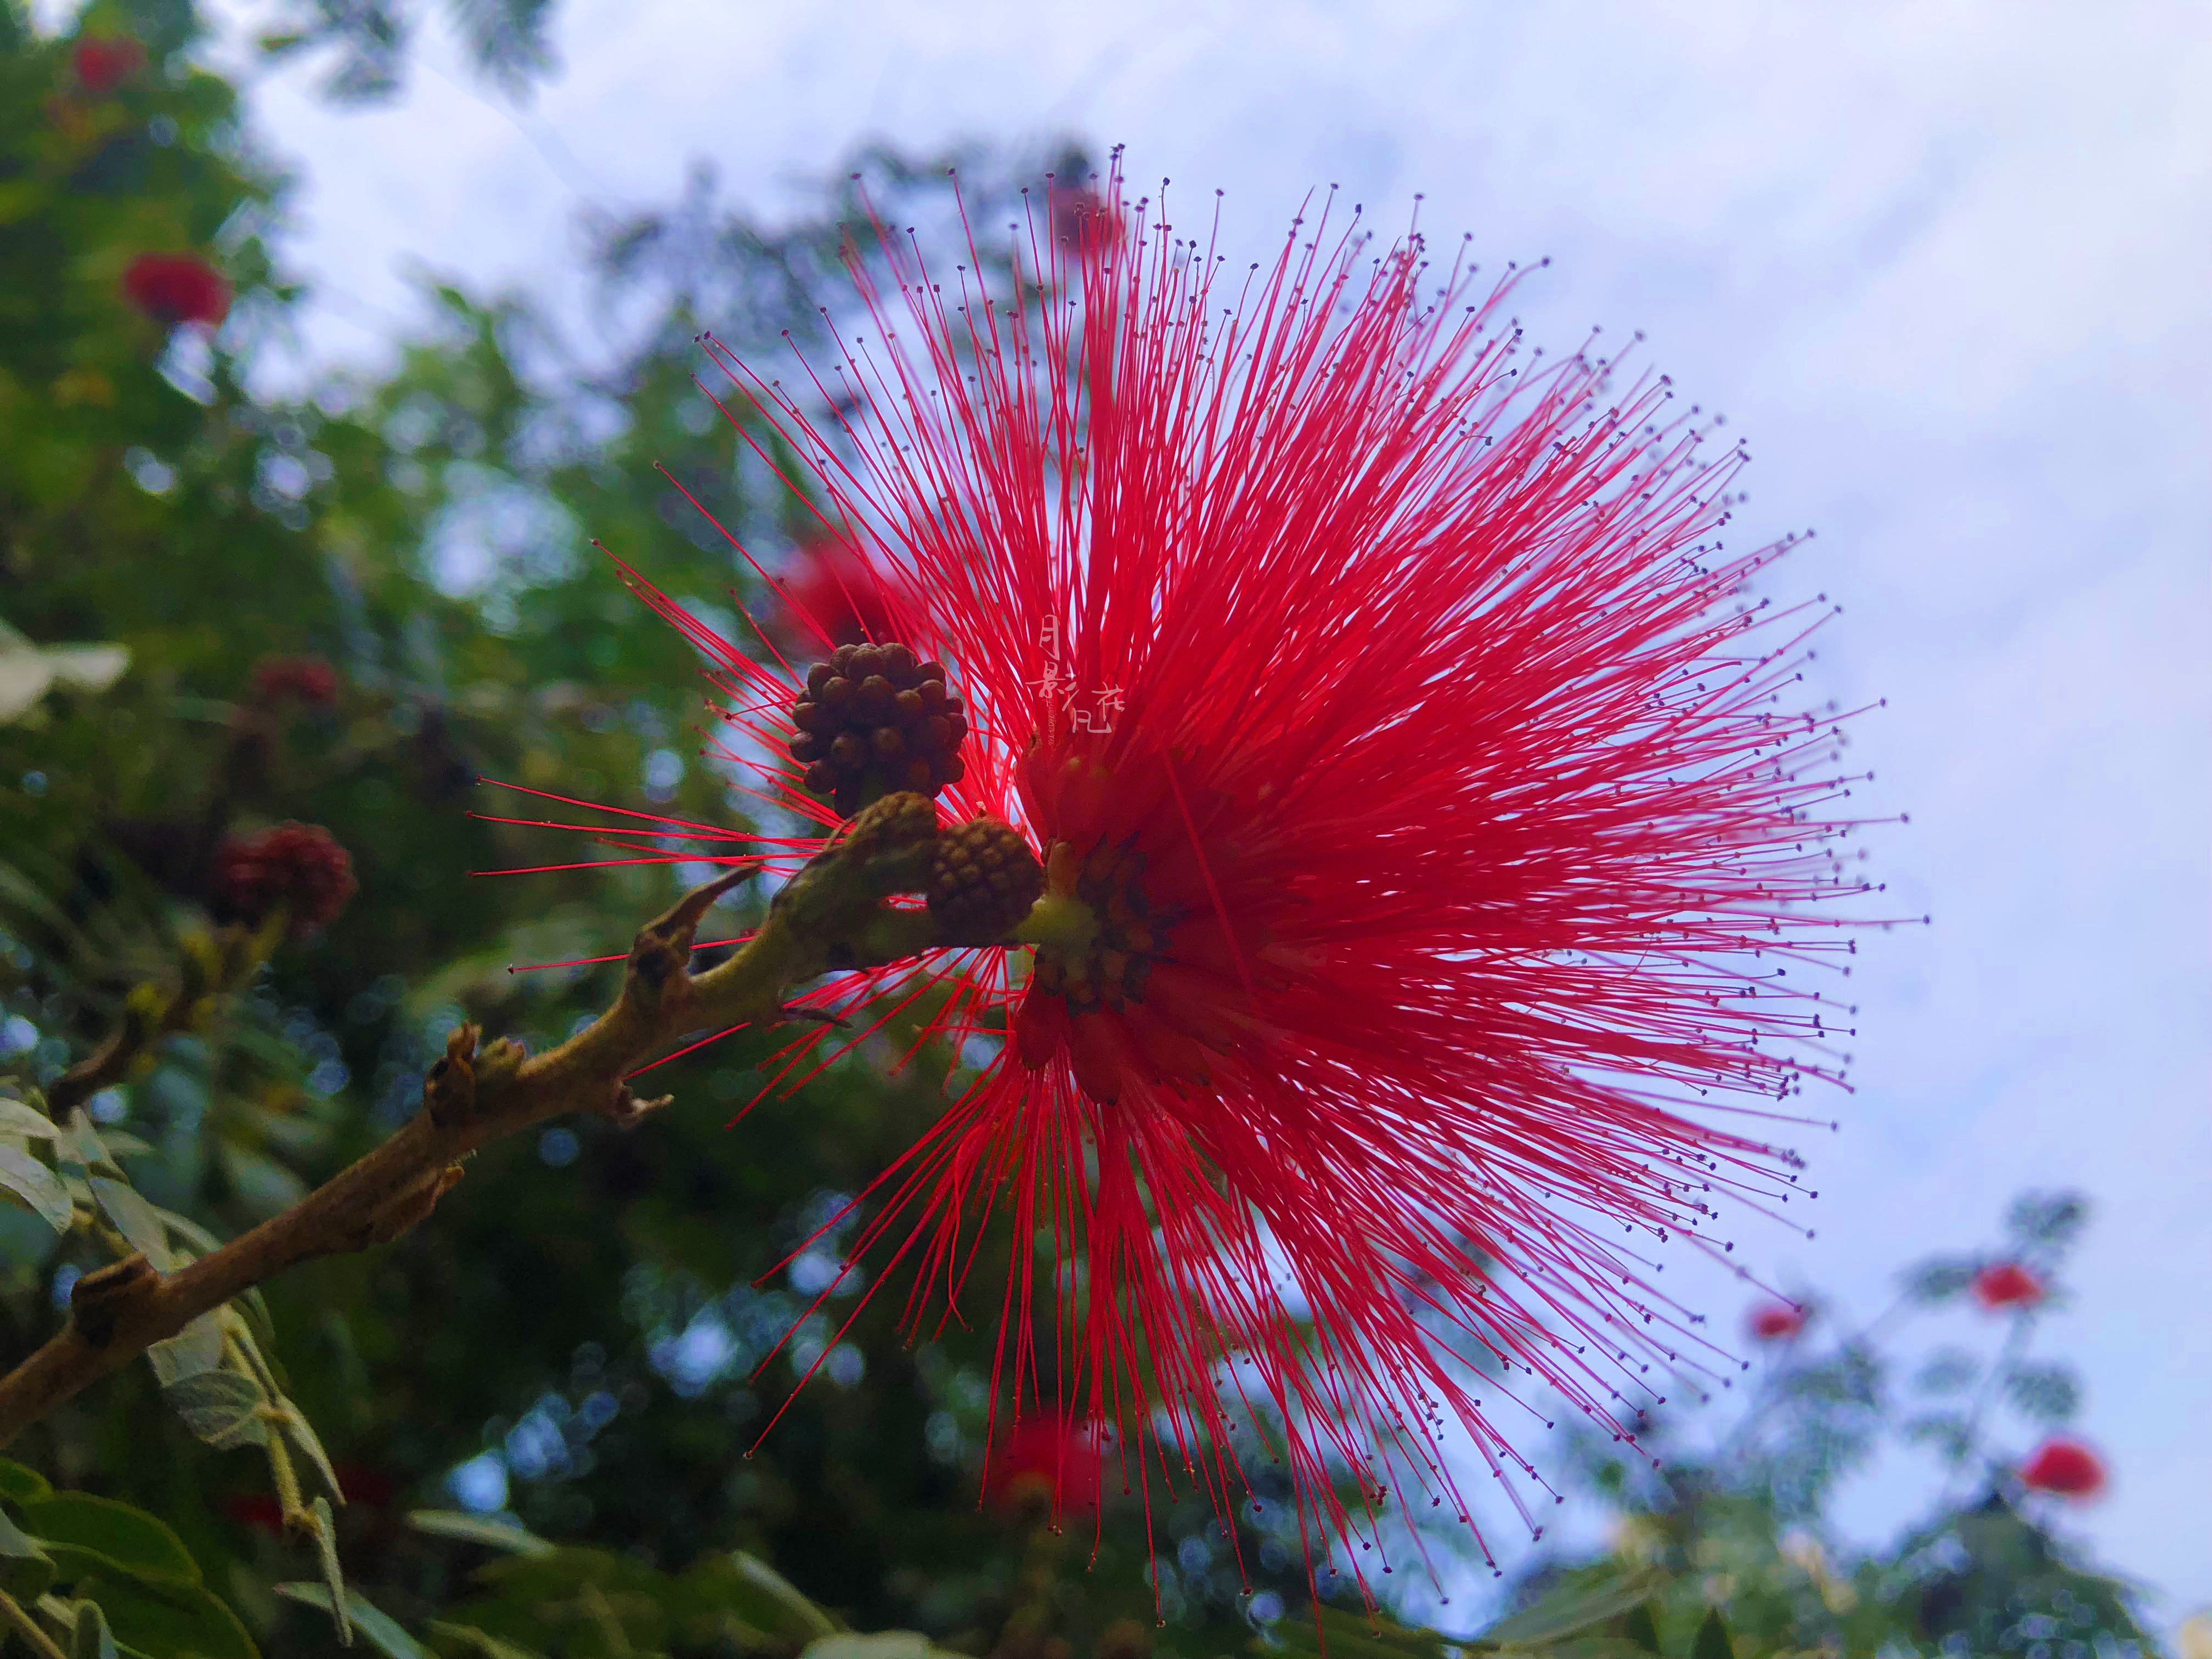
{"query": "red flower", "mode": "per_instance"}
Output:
(2065, 1466)
(1430, 845)
(311, 680)
(1772, 1321)
(298, 865)
(2006, 1285)
(1079, 213)
(176, 288)
(1043, 1463)
(832, 597)
(361, 1483)
(103, 63)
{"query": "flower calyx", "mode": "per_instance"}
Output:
(1099, 938)
(874, 721)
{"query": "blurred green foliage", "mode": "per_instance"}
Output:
(545, 1409)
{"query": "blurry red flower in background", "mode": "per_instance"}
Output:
(1042, 1463)
(101, 64)
(361, 1483)
(1427, 837)
(2065, 1466)
(832, 597)
(2006, 1285)
(1078, 213)
(176, 288)
(1772, 1321)
(300, 866)
(310, 680)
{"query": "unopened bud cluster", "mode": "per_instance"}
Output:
(984, 881)
(874, 720)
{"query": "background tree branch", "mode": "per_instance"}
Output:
(832, 913)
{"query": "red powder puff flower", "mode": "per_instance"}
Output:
(360, 1483)
(1772, 1321)
(102, 63)
(832, 596)
(176, 288)
(2065, 1466)
(1081, 214)
(1433, 848)
(1043, 1464)
(2006, 1285)
(300, 866)
(310, 680)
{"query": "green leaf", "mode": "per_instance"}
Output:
(1641, 1628)
(2047, 1393)
(1712, 1641)
(192, 1351)
(96, 1534)
(878, 1644)
(1356, 1636)
(20, 1485)
(135, 1219)
(382, 1629)
(477, 1530)
(169, 1618)
(80, 1143)
(265, 1187)
(327, 1557)
(1575, 1607)
(1947, 1370)
(121, 1143)
(293, 1424)
(90, 1638)
(2047, 1218)
(765, 1597)
(220, 1408)
(29, 1122)
(467, 1639)
(1938, 1279)
(25, 1569)
(199, 1237)
(36, 1187)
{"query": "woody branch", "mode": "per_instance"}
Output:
(834, 914)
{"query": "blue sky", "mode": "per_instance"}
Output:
(1946, 264)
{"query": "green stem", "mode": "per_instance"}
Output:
(28, 1627)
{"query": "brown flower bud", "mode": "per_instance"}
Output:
(984, 882)
(873, 719)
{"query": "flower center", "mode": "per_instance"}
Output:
(1102, 954)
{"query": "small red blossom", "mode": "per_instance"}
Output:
(1770, 1321)
(2006, 1285)
(310, 680)
(832, 596)
(2065, 1466)
(1081, 213)
(300, 866)
(103, 63)
(1428, 827)
(176, 288)
(1043, 1463)
(360, 1483)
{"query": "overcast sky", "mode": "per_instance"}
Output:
(1946, 264)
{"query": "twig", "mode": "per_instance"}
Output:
(149, 1013)
(832, 913)
(24, 1625)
